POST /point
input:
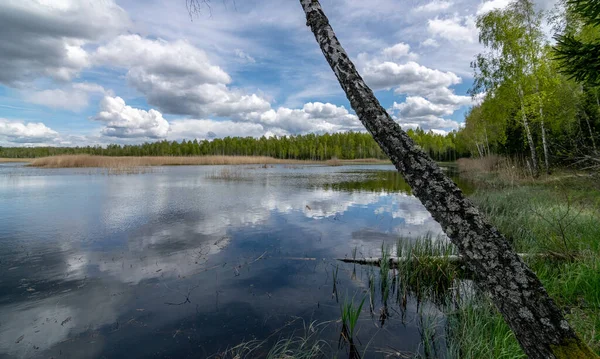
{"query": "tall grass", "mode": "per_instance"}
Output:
(475, 330)
(68, 161)
(556, 217)
(495, 170)
(305, 345)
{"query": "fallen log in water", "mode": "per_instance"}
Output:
(451, 258)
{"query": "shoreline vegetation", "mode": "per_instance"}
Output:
(125, 162)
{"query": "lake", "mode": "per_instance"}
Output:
(177, 262)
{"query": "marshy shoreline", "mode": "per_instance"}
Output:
(90, 161)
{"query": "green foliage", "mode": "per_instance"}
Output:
(579, 61)
(523, 88)
(577, 49)
(349, 145)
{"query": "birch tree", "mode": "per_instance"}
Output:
(537, 322)
(507, 63)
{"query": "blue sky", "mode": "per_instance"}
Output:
(83, 72)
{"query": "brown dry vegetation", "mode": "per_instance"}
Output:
(85, 161)
(5, 160)
(74, 161)
(494, 169)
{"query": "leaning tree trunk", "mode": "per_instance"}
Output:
(519, 295)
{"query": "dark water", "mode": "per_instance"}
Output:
(188, 261)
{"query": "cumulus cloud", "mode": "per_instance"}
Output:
(209, 129)
(125, 121)
(397, 51)
(47, 38)
(434, 6)
(25, 133)
(488, 6)
(313, 117)
(73, 98)
(433, 123)
(416, 106)
(178, 78)
(430, 43)
(407, 78)
(417, 111)
(457, 29)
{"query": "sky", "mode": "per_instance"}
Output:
(96, 72)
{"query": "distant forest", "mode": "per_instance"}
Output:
(349, 145)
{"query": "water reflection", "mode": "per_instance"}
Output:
(178, 263)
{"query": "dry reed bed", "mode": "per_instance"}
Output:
(85, 161)
(82, 161)
(496, 169)
(6, 160)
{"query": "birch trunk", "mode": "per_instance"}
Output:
(587, 120)
(544, 143)
(518, 294)
(534, 163)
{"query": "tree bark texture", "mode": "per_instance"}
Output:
(537, 322)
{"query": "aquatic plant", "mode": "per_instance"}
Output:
(350, 314)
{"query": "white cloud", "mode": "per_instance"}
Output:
(397, 51)
(178, 78)
(416, 106)
(46, 38)
(25, 133)
(430, 43)
(427, 123)
(125, 121)
(434, 6)
(208, 129)
(457, 29)
(488, 6)
(244, 57)
(313, 117)
(72, 98)
(407, 78)
(417, 111)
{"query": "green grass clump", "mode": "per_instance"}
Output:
(350, 314)
(476, 330)
(305, 345)
(426, 272)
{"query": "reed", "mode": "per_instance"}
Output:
(8, 160)
(74, 161)
(83, 161)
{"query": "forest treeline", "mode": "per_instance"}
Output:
(349, 145)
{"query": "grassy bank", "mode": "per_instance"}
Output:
(88, 161)
(558, 214)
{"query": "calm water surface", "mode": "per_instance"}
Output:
(188, 261)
